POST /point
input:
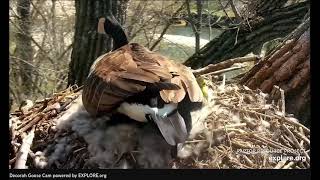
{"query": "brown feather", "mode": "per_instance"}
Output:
(174, 96)
(190, 84)
(163, 73)
(128, 70)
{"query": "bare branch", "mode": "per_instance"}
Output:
(40, 13)
(223, 65)
(166, 27)
(34, 41)
(224, 10)
(235, 10)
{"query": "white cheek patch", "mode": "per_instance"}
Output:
(138, 111)
(135, 111)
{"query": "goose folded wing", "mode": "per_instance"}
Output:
(190, 84)
(118, 76)
(183, 76)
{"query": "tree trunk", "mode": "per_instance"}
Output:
(198, 25)
(271, 23)
(120, 10)
(24, 48)
(195, 22)
(288, 66)
(88, 44)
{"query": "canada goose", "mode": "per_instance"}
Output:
(141, 84)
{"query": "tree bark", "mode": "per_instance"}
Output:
(88, 44)
(195, 22)
(288, 66)
(24, 48)
(198, 25)
(273, 22)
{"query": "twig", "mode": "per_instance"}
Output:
(280, 164)
(26, 119)
(287, 120)
(222, 65)
(235, 10)
(302, 143)
(227, 135)
(230, 126)
(240, 165)
(69, 101)
(236, 39)
(283, 102)
(39, 12)
(289, 165)
(80, 149)
(239, 145)
(190, 19)
(273, 144)
(250, 163)
(166, 27)
(302, 137)
(285, 141)
(35, 42)
(65, 51)
(301, 130)
(196, 141)
(224, 10)
(224, 70)
(222, 86)
(295, 141)
(24, 151)
(289, 140)
(248, 111)
(33, 122)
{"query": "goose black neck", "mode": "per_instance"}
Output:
(118, 35)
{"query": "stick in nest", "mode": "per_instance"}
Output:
(281, 164)
(32, 122)
(285, 119)
(302, 137)
(24, 150)
(297, 124)
(223, 65)
(248, 161)
(289, 165)
(283, 103)
(296, 142)
(273, 143)
(224, 70)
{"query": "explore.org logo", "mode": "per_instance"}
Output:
(276, 155)
(287, 158)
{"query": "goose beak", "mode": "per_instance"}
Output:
(172, 128)
(101, 26)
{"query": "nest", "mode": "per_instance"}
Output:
(247, 129)
(244, 129)
(33, 127)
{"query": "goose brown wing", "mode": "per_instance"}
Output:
(184, 77)
(118, 75)
(190, 84)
